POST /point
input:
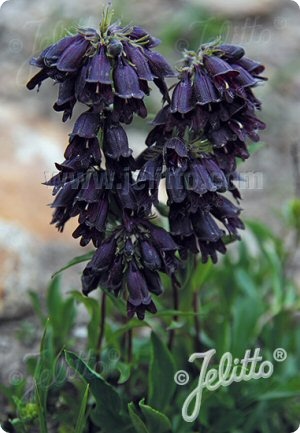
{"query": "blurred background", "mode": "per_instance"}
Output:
(33, 136)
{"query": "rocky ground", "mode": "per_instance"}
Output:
(32, 137)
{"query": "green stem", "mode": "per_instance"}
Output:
(129, 347)
(102, 327)
(176, 308)
(196, 322)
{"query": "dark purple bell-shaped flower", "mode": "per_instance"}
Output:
(126, 81)
(137, 287)
(231, 52)
(217, 67)
(99, 67)
(115, 141)
(205, 91)
(151, 257)
(183, 96)
(136, 56)
(60, 59)
(97, 269)
(87, 125)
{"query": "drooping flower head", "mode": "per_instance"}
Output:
(103, 69)
(214, 100)
(198, 137)
(108, 71)
(128, 263)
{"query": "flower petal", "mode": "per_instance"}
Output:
(99, 68)
(158, 65)
(218, 67)
(251, 65)
(73, 56)
(205, 91)
(182, 98)
(232, 52)
(87, 125)
(126, 81)
(116, 142)
(140, 62)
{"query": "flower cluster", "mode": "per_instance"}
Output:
(108, 72)
(100, 70)
(197, 136)
(130, 258)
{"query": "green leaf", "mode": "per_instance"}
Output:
(246, 313)
(288, 389)
(36, 304)
(256, 147)
(61, 312)
(75, 262)
(163, 209)
(167, 313)
(292, 213)
(261, 231)
(200, 275)
(107, 413)
(103, 392)
(229, 239)
(54, 298)
(161, 375)
(156, 421)
(41, 411)
(137, 423)
(93, 309)
(81, 420)
(43, 372)
(132, 324)
(246, 283)
(125, 371)
(118, 303)
(175, 325)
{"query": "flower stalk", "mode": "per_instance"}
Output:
(102, 327)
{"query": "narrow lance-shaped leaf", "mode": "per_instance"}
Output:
(74, 262)
(108, 412)
(137, 422)
(81, 420)
(41, 411)
(161, 375)
(156, 421)
(93, 309)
